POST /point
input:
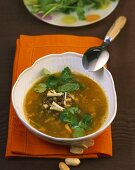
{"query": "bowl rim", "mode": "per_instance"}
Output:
(43, 135)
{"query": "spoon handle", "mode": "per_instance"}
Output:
(115, 28)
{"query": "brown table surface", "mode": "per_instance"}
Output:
(16, 20)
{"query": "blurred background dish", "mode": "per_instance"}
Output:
(71, 14)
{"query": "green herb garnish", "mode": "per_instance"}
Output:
(69, 87)
(71, 116)
(66, 75)
(78, 132)
(85, 121)
(63, 83)
(40, 88)
(52, 82)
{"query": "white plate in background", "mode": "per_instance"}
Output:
(71, 20)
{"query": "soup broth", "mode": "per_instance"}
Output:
(75, 108)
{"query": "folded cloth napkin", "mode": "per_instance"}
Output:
(20, 141)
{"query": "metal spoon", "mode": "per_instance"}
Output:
(96, 57)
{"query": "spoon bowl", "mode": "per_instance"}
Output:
(96, 57)
(96, 60)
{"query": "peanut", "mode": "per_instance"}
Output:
(76, 150)
(63, 166)
(86, 144)
(72, 161)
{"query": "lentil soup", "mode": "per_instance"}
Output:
(66, 105)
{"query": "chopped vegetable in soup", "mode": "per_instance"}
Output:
(66, 105)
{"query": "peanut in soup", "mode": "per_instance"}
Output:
(66, 105)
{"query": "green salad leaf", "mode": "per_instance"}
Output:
(80, 10)
(67, 6)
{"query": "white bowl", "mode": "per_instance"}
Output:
(55, 63)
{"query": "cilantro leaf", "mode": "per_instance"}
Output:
(78, 132)
(73, 110)
(66, 75)
(85, 122)
(72, 118)
(69, 87)
(52, 82)
(63, 83)
(69, 115)
(40, 88)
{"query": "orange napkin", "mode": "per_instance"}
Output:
(20, 141)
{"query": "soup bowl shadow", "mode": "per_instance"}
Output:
(56, 63)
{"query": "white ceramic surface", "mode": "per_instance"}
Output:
(55, 63)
